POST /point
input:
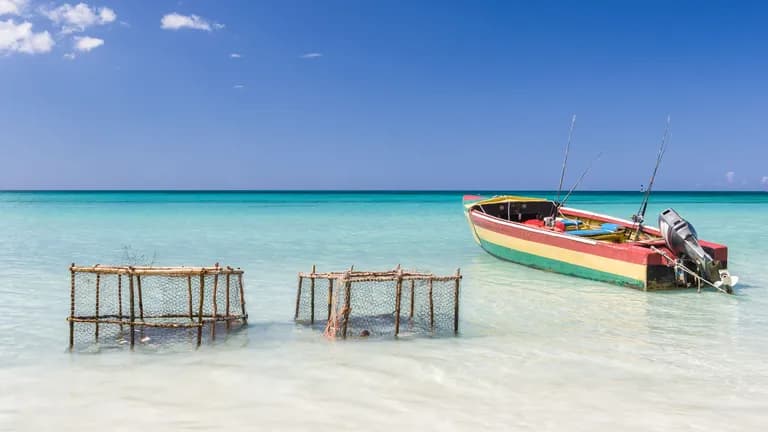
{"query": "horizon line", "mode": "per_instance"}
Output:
(235, 190)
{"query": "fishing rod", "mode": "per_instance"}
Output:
(578, 182)
(565, 160)
(565, 163)
(639, 218)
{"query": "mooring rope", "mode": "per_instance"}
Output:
(679, 265)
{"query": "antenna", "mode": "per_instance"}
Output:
(578, 182)
(639, 218)
(565, 160)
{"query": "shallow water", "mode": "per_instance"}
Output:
(537, 351)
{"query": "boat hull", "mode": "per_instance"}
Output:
(624, 264)
(539, 261)
(561, 260)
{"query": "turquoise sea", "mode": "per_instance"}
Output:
(537, 351)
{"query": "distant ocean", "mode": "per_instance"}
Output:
(537, 351)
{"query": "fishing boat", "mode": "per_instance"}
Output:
(539, 233)
(547, 235)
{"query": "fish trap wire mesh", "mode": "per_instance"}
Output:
(360, 304)
(118, 305)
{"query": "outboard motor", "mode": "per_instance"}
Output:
(681, 239)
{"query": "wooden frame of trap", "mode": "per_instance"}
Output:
(129, 282)
(405, 283)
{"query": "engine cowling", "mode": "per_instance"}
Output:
(681, 238)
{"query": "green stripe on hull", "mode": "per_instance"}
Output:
(556, 266)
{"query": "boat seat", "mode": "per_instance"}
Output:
(606, 228)
(570, 222)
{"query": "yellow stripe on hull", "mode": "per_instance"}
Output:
(625, 269)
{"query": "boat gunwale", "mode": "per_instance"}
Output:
(599, 216)
(474, 212)
(472, 202)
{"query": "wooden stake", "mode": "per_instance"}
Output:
(132, 313)
(330, 297)
(227, 317)
(398, 297)
(431, 307)
(141, 299)
(98, 281)
(120, 299)
(72, 306)
(242, 297)
(215, 306)
(456, 303)
(189, 297)
(200, 310)
(298, 298)
(312, 293)
(347, 304)
(413, 285)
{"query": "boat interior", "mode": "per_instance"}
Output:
(541, 214)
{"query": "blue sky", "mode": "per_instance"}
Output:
(291, 94)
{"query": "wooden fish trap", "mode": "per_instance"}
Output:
(129, 305)
(365, 303)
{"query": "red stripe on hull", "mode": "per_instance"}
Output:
(623, 252)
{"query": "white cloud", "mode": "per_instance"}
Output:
(20, 38)
(87, 43)
(312, 55)
(238, 86)
(176, 21)
(106, 15)
(70, 56)
(730, 176)
(79, 17)
(235, 55)
(12, 7)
